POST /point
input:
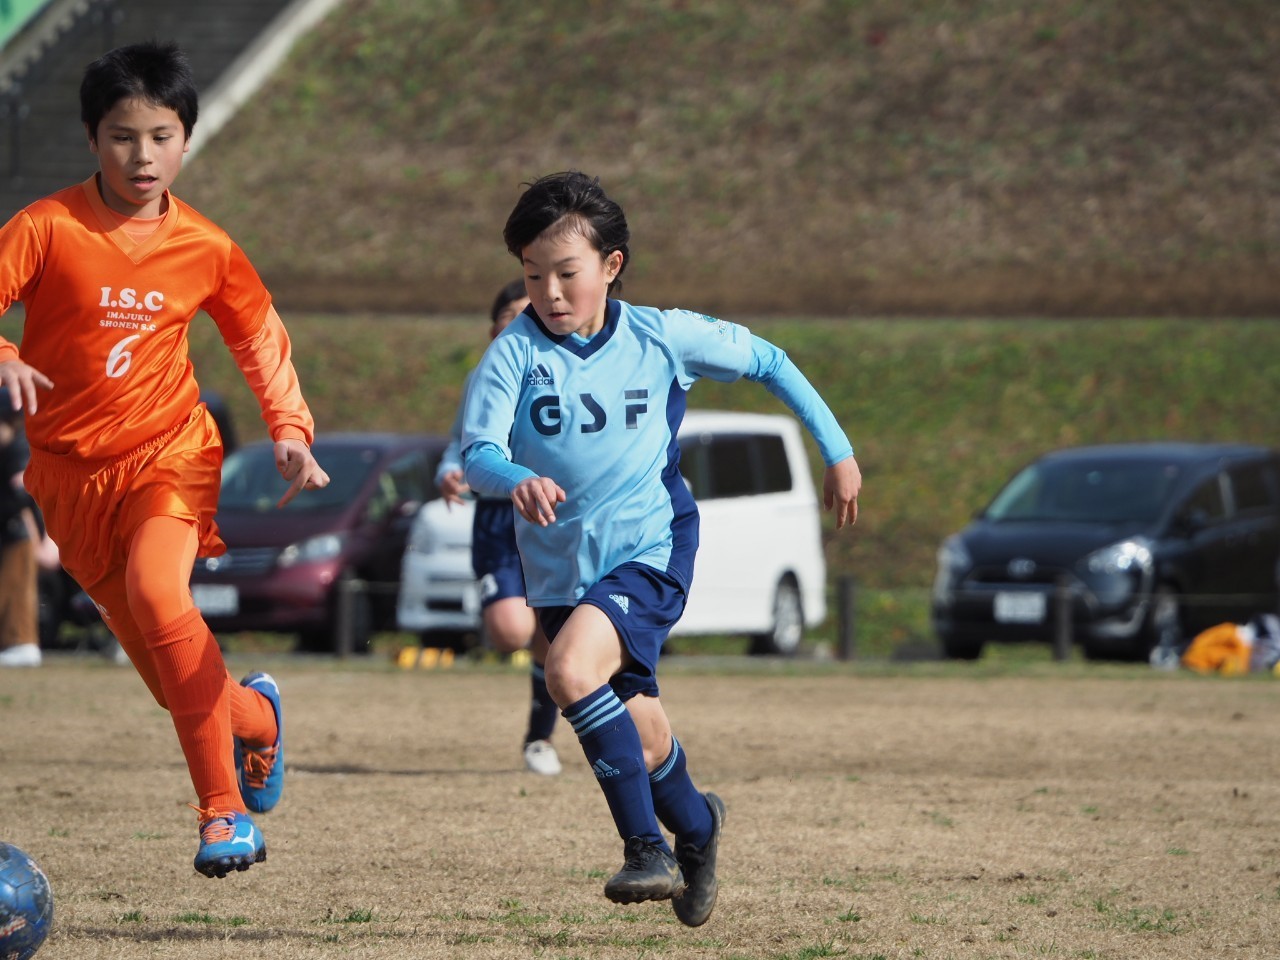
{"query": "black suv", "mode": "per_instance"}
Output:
(1145, 541)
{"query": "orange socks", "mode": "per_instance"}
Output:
(196, 686)
(252, 719)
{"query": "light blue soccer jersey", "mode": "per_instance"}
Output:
(599, 417)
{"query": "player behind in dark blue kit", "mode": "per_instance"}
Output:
(508, 622)
(573, 413)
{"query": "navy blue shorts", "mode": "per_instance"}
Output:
(643, 604)
(495, 559)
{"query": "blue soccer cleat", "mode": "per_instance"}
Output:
(228, 841)
(261, 769)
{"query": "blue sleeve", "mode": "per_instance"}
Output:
(771, 366)
(706, 346)
(451, 459)
(490, 473)
(489, 415)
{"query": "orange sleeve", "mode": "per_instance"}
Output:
(20, 258)
(264, 359)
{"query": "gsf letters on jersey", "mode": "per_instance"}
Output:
(545, 412)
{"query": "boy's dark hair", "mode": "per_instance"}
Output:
(155, 73)
(580, 198)
(512, 292)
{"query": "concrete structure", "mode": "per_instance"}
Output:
(233, 44)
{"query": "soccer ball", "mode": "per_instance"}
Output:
(26, 904)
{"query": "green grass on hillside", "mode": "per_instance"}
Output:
(867, 156)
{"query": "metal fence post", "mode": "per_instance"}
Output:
(346, 613)
(846, 596)
(1062, 638)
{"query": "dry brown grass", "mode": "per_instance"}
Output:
(1068, 813)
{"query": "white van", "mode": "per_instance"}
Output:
(760, 569)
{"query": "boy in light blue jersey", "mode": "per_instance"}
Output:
(573, 414)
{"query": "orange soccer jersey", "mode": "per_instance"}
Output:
(120, 447)
(107, 321)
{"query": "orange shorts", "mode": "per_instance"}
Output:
(92, 508)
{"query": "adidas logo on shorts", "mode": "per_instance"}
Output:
(623, 602)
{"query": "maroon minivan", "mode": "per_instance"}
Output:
(327, 566)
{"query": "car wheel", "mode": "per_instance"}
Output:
(956, 648)
(329, 639)
(1162, 630)
(1164, 624)
(783, 639)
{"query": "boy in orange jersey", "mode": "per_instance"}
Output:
(125, 461)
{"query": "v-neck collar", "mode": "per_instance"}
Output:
(109, 220)
(581, 349)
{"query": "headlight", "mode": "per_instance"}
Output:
(952, 558)
(324, 547)
(1127, 556)
(952, 555)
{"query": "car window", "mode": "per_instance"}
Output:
(1254, 486)
(1087, 492)
(404, 480)
(775, 468)
(250, 480)
(734, 465)
(1206, 504)
(410, 477)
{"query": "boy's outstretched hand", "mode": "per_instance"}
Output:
(299, 467)
(840, 486)
(21, 380)
(536, 498)
(452, 487)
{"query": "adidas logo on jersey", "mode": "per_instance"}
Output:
(623, 602)
(603, 770)
(540, 376)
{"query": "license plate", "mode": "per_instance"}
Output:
(1019, 608)
(216, 599)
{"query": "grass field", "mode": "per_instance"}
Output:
(943, 812)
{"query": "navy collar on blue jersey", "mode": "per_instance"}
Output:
(612, 310)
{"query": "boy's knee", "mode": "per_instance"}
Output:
(568, 681)
(509, 625)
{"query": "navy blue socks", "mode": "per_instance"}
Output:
(542, 709)
(612, 745)
(678, 804)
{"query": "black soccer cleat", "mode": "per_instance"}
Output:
(649, 873)
(693, 907)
